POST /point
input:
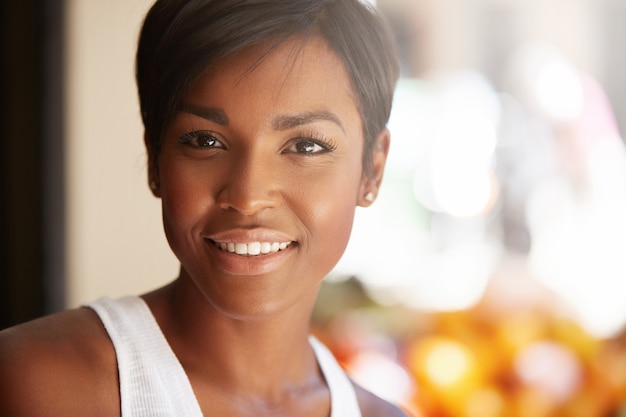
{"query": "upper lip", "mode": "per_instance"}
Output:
(245, 235)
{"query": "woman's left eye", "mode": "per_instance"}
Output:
(309, 147)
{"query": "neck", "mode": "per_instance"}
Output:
(257, 356)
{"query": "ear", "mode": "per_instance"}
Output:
(370, 184)
(153, 170)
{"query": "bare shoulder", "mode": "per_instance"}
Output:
(374, 406)
(62, 364)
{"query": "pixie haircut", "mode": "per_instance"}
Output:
(181, 39)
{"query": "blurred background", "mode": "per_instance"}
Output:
(488, 279)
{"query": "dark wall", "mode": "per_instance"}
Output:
(31, 159)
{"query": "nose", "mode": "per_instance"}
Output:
(250, 186)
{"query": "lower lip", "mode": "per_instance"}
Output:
(234, 264)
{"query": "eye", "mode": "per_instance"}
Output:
(309, 146)
(201, 139)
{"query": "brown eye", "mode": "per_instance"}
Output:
(308, 147)
(305, 146)
(201, 139)
(206, 141)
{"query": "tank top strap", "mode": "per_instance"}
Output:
(342, 394)
(153, 383)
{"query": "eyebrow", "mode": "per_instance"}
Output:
(209, 113)
(286, 122)
(280, 123)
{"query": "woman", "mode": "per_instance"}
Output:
(265, 128)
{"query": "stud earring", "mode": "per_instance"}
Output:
(153, 185)
(369, 197)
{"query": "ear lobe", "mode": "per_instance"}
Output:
(153, 171)
(155, 188)
(372, 180)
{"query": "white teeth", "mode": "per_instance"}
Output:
(241, 249)
(253, 248)
(266, 247)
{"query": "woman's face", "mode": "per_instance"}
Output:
(259, 174)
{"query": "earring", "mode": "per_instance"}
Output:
(153, 185)
(369, 197)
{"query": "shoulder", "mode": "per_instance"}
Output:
(374, 406)
(63, 364)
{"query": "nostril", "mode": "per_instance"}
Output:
(248, 203)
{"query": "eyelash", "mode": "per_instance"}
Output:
(188, 138)
(314, 138)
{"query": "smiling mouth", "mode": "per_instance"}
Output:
(252, 248)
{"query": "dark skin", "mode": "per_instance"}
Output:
(260, 172)
(49, 369)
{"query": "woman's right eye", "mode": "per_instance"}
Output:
(201, 139)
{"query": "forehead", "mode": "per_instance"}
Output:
(296, 76)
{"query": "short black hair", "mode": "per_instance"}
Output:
(180, 39)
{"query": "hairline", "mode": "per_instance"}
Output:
(274, 43)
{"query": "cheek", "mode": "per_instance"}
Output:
(184, 201)
(329, 214)
(334, 233)
(334, 213)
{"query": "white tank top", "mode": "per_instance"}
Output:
(153, 383)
